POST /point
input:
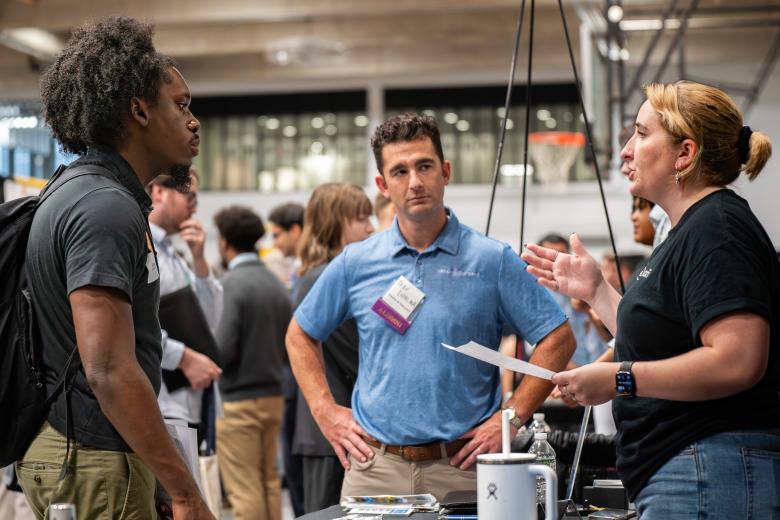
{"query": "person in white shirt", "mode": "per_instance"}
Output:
(172, 215)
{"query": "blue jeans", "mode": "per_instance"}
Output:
(730, 476)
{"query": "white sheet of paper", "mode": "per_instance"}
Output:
(498, 359)
(186, 441)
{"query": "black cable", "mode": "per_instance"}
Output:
(527, 122)
(591, 147)
(507, 104)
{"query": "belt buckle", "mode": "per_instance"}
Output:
(401, 452)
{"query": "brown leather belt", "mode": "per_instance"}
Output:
(422, 452)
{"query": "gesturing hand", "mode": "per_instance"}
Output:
(577, 275)
(344, 434)
(485, 438)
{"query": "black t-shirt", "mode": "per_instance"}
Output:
(93, 231)
(718, 259)
(340, 353)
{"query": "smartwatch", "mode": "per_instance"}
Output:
(514, 420)
(625, 385)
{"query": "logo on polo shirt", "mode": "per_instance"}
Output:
(645, 273)
(457, 273)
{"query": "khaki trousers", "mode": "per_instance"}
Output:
(388, 474)
(247, 438)
(103, 484)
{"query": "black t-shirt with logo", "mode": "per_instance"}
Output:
(717, 260)
(93, 231)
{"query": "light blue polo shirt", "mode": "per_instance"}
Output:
(410, 389)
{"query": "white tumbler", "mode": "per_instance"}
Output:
(506, 487)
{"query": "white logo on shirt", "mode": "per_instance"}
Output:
(645, 273)
(458, 272)
(151, 267)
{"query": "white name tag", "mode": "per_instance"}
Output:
(399, 304)
(151, 268)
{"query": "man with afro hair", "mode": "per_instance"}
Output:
(124, 108)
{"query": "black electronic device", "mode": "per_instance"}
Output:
(612, 495)
(459, 503)
(624, 380)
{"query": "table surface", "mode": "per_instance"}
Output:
(336, 512)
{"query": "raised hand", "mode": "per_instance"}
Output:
(576, 275)
(191, 231)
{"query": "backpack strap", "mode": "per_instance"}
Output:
(64, 174)
(64, 383)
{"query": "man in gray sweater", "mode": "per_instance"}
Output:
(251, 340)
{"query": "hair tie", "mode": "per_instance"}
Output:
(743, 144)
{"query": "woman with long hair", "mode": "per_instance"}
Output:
(696, 378)
(338, 214)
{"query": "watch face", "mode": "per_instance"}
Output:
(624, 383)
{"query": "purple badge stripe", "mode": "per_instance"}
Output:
(392, 318)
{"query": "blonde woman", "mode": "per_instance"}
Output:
(338, 214)
(696, 381)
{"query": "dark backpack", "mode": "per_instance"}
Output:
(24, 404)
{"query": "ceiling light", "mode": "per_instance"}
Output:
(515, 170)
(282, 57)
(272, 123)
(35, 42)
(462, 125)
(289, 131)
(304, 49)
(653, 24)
(615, 13)
(361, 121)
(451, 118)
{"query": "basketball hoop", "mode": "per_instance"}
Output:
(554, 154)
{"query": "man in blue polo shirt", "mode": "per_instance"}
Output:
(421, 413)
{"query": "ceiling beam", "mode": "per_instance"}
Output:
(403, 32)
(62, 15)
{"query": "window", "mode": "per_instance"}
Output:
(282, 143)
(470, 122)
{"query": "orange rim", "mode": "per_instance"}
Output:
(557, 138)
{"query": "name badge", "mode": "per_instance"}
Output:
(399, 304)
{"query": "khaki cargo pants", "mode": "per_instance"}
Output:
(103, 484)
